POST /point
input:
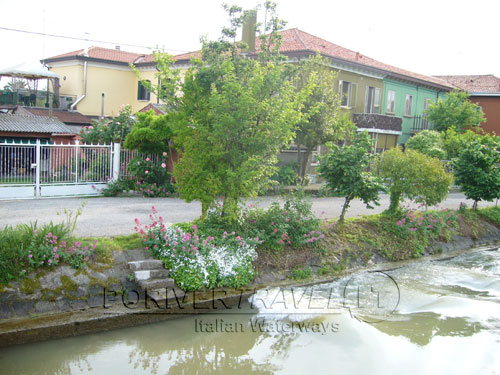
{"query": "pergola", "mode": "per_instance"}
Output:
(31, 71)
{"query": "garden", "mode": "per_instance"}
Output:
(219, 144)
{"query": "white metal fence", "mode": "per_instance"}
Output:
(48, 170)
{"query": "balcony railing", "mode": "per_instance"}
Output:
(27, 99)
(420, 123)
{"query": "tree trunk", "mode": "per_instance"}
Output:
(204, 209)
(395, 198)
(303, 165)
(344, 209)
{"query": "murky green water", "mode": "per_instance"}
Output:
(446, 320)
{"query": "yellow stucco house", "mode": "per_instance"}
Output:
(102, 81)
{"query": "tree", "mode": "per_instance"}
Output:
(456, 110)
(477, 169)
(319, 123)
(454, 142)
(150, 134)
(413, 175)
(234, 114)
(345, 170)
(428, 142)
(110, 130)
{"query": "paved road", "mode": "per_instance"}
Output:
(115, 216)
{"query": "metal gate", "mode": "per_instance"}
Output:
(51, 170)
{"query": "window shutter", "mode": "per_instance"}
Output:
(352, 100)
(340, 87)
(139, 90)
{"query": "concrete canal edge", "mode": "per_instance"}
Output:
(109, 311)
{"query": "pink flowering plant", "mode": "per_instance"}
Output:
(420, 227)
(109, 130)
(152, 176)
(26, 248)
(291, 224)
(195, 260)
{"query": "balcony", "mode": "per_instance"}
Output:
(421, 123)
(378, 123)
(26, 98)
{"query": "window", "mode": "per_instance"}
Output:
(372, 100)
(376, 101)
(408, 103)
(143, 92)
(348, 93)
(391, 101)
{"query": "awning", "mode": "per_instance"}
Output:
(28, 70)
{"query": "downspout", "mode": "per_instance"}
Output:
(73, 106)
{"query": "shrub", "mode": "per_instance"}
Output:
(477, 169)
(428, 142)
(413, 175)
(418, 228)
(290, 224)
(286, 175)
(109, 130)
(153, 178)
(28, 247)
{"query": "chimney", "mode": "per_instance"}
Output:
(117, 48)
(249, 25)
(357, 56)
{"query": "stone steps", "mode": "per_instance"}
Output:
(150, 275)
(145, 265)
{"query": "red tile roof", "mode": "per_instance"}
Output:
(103, 54)
(475, 83)
(293, 41)
(64, 116)
(297, 40)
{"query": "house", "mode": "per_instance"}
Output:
(102, 80)
(387, 101)
(72, 119)
(28, 128)
(484, 90)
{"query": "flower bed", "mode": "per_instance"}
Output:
(196, 261)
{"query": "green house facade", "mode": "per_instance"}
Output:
(409, 101)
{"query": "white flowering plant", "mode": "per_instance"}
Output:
(196, 261)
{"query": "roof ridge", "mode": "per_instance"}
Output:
(298, 36)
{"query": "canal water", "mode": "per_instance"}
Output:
(427, 317)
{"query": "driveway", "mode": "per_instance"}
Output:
(115, 216)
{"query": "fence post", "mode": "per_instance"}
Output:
(37, 170)
(116, 161)
(77, 151)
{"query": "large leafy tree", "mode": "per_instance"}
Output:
(234, 114)
(345, 170)
(319, 123)
(456, 110)
(413, 175)
(477, 169)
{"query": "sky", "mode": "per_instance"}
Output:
(432, 37)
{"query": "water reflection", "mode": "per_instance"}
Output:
(448, 321)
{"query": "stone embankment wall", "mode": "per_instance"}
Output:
(66, 289)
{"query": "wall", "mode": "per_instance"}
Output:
(491, 109)
(419, 93)
(361, 83)
(118, 83)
